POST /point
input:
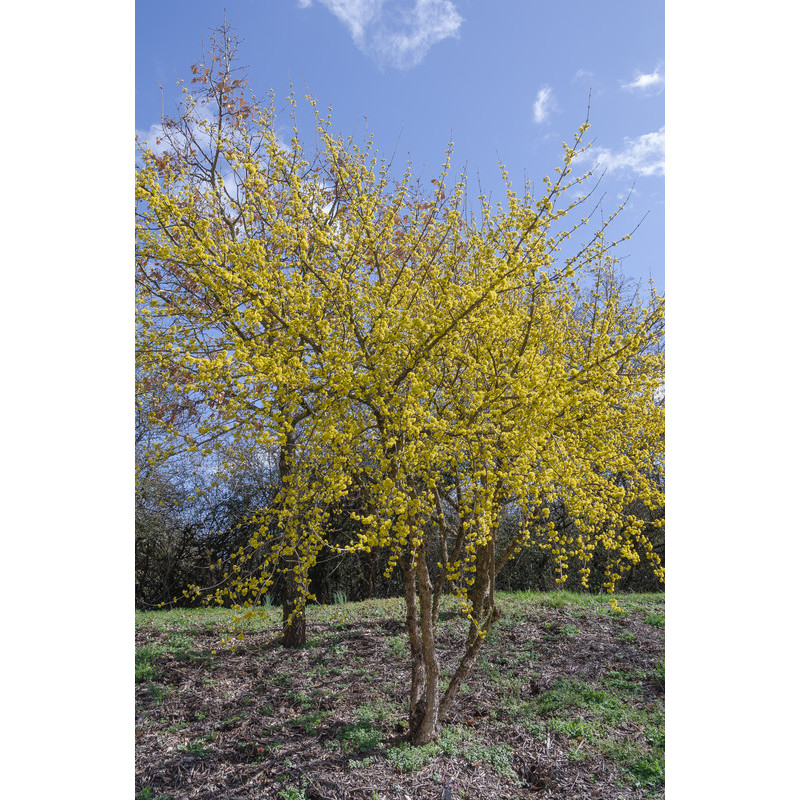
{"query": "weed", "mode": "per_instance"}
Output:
(361, 736)
(147, 794)
(455, 741)
(339, 597)
(145, 668)
(626, 637)
(158, 692)
(301, 698)
(197, 747)
(658, 675)
(655, 619)
(293, 793)
(398, 646)
(570, 630)
(362, 764)
(407, 758)
(311, 721)
(340, 650)
(379, 711)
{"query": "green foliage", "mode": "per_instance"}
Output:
(197, 747)
(147, 794)
(656, 620)
(362, 736)
(311, 721)
(453, 742)
(292, 793)
(577, 709)
(145, 665)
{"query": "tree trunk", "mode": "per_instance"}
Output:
(294, 613)
(294, 617)
(423, 717)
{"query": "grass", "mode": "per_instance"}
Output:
(592, 714)
(302, 693)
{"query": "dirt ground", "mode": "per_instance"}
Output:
(321, 722)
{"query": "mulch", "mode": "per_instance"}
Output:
(235, 725)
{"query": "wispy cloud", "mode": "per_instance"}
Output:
(397, 33)
(543, 104)
(643, 155)
(582, 74)
(651, 81)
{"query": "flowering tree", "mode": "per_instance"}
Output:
(374, 335)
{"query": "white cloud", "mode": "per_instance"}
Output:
(398, 33)
(646, 82)
(543, 104)
(643, 155)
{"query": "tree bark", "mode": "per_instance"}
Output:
(427, 723)
(294, 615)
(416, 704)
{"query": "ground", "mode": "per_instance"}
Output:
(566, 703)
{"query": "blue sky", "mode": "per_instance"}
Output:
(508, 80)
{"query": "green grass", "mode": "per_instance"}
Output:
(579, 710)
(453, 742)
(605, 717)
(147, 794)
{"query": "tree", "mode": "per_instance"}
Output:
(449, 366)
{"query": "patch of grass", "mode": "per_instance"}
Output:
(626, 637)
(157, 692)
(293, 793)
(197, 747)
(579, 710)
(145, 665)
(147, 794)
(398, 646)
(379, 712)
(311, 721)
(456, 741)
(655, 619)
(361, 736)
(364, 763)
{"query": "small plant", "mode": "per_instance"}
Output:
(659, 672)
(311, 721)
(655, 619)
(570, 630)
(147, 794)
(145, 669)
(339, 597)
(293, 793)
(196, 747)
(398, 646)
(363, 737)
(407, 758)
(362, 764)
(157, 692)
(627, 637)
